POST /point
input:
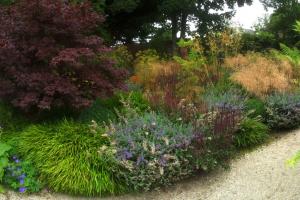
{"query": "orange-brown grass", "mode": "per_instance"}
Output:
(165, 82)
(260, 75)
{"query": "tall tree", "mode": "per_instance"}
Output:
(278, 3)
(206, 14)
(281, 22)
(127, 20)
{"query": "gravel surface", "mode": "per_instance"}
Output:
(257, 175)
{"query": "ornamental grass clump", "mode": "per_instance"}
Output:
(261, 75)
(68, 158)
(251, 133)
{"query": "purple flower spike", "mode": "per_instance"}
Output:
(127, 155)
(22, 189)
(140, 160)
(22, 176)
(22, 181)
(17, 161)
(14, 158)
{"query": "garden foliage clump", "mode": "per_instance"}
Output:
(73, 163)
(251, 133)
(176, 116)
(283, 111)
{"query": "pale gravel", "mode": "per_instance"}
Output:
(258, 175)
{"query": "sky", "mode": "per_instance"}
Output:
(247, 16)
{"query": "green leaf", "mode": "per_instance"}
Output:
(2, 190)
(4, 148)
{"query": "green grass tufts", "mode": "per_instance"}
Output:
(66, 155)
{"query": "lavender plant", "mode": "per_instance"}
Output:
(153, 150)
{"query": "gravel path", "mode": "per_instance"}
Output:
(258, 175)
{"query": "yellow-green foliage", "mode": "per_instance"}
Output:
(261, 75)
(68, 159)
(122, 57)
(222, 44)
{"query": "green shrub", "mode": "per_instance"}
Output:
(67, 157)
(105, 110)
(9, 119)
(102, 110)
(255, 108)
(251, 132)
(283, 111)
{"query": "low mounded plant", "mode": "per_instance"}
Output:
(68, 158)
(153, 150)
(251, 132)
(22, 176)
(283, 111)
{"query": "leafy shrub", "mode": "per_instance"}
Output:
(255, 108)
(21, 176)
(104, 110)
(68, 159)
(49, 56)
(261, 75)
(221, 45)
(154, 150)
(251, 132)
(283, 111)
(122, 57)
(258, 42)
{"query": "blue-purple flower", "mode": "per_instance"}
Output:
(126, 155)
(21, 181)
(22, 176)
(22, 189)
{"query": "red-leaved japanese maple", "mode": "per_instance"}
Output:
(50, 56)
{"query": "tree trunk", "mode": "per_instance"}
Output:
(183, 25)
(174, 20)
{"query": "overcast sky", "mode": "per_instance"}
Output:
(248, 16)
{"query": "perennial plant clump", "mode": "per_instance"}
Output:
(22, 176)
(283, 111)
(154, 150)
